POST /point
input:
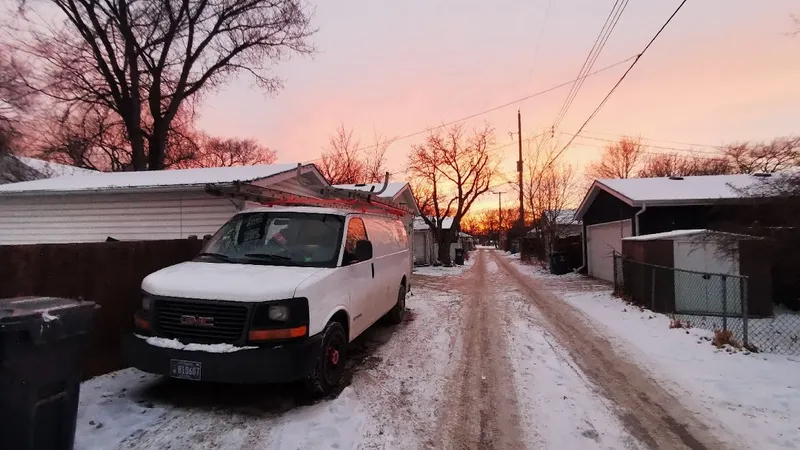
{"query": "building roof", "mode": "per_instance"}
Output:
(397, 191)
(669, 235)
(419, 223)
(392, 189)
(16, 169)
(52, 169)
(667, 191)
(168, 179)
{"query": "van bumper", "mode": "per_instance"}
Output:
(280, 363)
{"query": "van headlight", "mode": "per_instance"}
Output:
(278, 313)
(279, 320)
(147, 302)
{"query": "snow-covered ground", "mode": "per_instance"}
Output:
(442, 271)
(396, 380)
(755, 395)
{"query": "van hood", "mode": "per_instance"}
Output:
(222, 281)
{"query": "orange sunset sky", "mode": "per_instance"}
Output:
(724, 70)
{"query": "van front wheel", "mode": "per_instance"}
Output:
(327, 372)
(395, 315)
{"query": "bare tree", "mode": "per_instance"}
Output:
(450, 171)
(94, 137)
(219, 152)
(673, 164)
(145, 59)
(619, 160)
(556, 193)
(774, 156)
(344, 161)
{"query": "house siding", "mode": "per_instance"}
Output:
(95, 217)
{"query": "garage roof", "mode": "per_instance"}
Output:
(165, 179)
(672, 191)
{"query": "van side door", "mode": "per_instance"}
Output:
(360, 278)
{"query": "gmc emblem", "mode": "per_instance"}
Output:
(197, 321)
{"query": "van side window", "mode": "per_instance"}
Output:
(356, 231)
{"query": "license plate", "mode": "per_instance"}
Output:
(187, 370)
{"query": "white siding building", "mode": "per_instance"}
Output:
(170, 204)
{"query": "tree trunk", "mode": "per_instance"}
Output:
(444, 241)
(157, 147)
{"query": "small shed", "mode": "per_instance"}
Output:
(688, 268)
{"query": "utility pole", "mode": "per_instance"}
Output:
(499, 216)
(519, 170)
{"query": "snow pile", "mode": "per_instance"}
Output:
(192, 347)
(756, 395)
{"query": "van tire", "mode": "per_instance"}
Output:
(326, 374)
(396, 314)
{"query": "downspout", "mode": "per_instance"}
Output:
(636, 218)
(584, 246)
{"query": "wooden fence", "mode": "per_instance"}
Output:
(107, 273)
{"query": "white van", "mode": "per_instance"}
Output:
(275, 296)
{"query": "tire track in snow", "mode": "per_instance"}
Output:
(480, 411)
(649, 413)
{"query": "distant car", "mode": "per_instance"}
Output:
(275, 296)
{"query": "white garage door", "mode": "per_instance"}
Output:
(602, 240)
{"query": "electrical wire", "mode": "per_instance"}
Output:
(694, 144)
(541, 33)
(614, 88)
(487, 111)
(600, 42)
(689, 150)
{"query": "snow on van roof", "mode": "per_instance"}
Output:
(392, 188)
(148, 179)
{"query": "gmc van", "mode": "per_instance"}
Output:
(275, 296)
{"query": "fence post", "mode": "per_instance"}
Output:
(724, 303)
(744, 311)
(653, 290)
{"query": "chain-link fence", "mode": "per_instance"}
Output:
(728, 303)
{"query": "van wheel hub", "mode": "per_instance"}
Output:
(333, 356)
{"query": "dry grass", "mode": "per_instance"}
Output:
(678, 323)
(725, 337)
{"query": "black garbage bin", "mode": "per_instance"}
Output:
(459, 261)
(41, 339)
(558, 263)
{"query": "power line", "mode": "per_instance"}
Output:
(472, 116)
(636, 60)
(694, 144)
(599, 43)
(690, 150)
(541, 32)
(716, 156)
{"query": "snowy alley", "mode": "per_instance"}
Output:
(500, 356)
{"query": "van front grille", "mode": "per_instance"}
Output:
(200, 321)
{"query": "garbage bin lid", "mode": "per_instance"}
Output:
(23, 309)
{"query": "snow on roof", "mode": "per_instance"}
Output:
(668, 235)
(392, 189)
(53, 169)
(564, 217)
(664, 191)
(707, 187)
(419, 223)
(665, 235)
(149, 179)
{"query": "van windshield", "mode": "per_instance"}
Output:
(278, 239)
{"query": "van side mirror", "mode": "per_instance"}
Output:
(363, 250)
